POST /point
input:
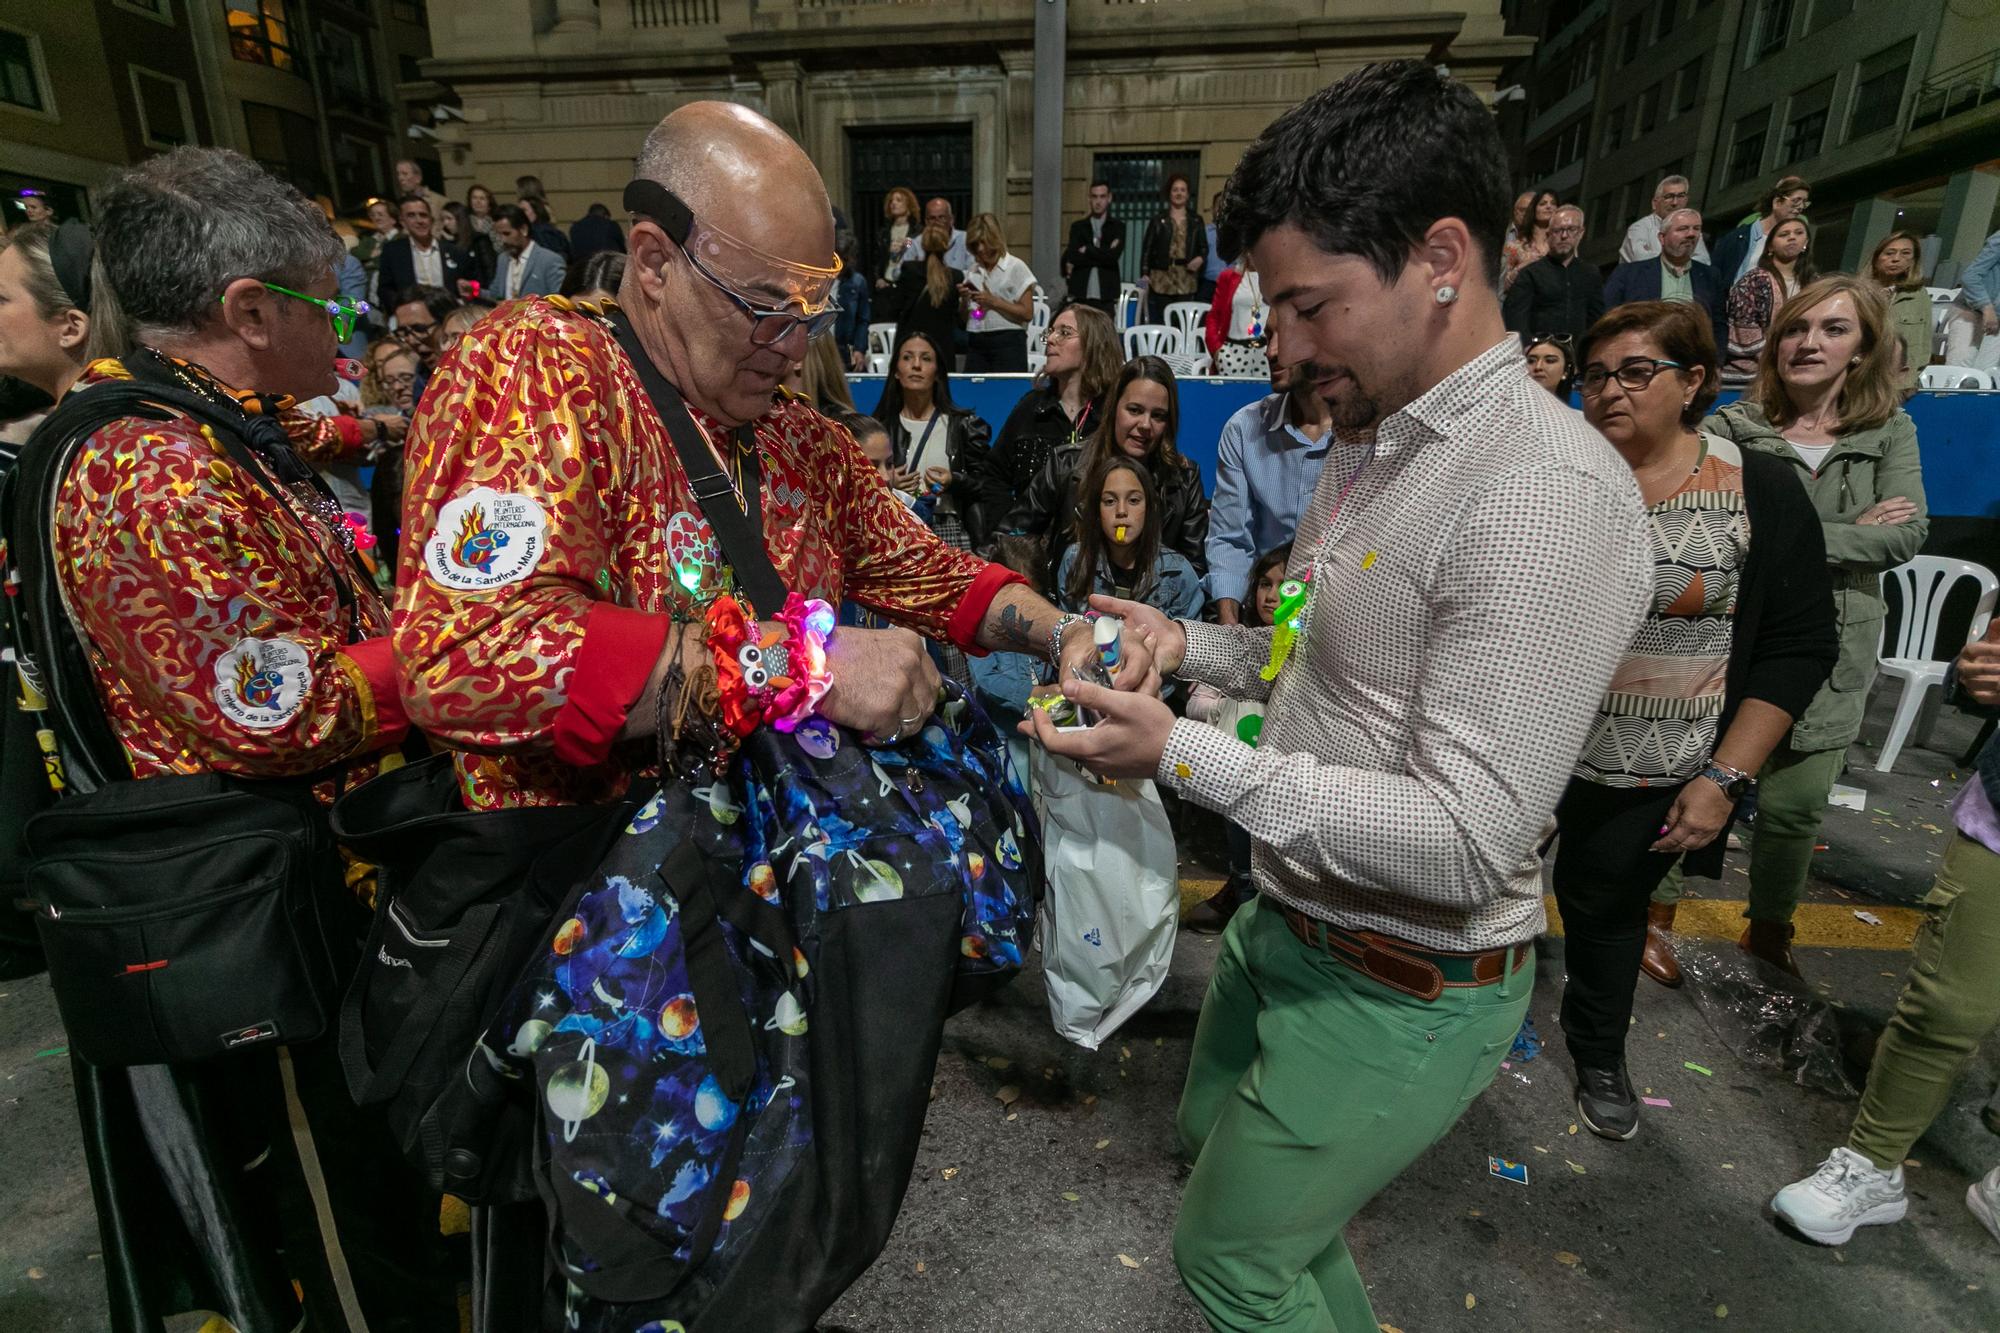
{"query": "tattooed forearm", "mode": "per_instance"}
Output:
(1018, 622)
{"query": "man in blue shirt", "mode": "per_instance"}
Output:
(1266, 466)
(1972, 329)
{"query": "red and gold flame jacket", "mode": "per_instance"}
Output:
(550, 538)
(210, 608)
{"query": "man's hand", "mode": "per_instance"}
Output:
(1979, 669)
(1886, 513)
(1695, 817)
(884, 685)
(1135, 660)
(1127, 740)
(1162, 637)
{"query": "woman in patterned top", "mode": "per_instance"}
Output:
(1738, 638)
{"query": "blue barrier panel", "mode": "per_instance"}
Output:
(1959, 432)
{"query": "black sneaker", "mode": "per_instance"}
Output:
(1604, 1099)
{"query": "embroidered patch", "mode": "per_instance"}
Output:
(261, 684)
(486, 539)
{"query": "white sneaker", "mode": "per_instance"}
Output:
(1983, 1198)
(1847, 1191)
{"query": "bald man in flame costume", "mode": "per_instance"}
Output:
(556, 558)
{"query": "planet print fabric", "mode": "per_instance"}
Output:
(733, 1030)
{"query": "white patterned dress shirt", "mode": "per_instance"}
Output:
(1479, 585)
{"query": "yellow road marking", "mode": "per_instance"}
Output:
(1820, 925)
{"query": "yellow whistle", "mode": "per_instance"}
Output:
(1121, 533)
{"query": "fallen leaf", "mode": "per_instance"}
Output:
(1470, 1300)
(1128, 1261)
(1565, 1257)
(949, 1172)
(1070, 1197)
(1102, 1144)
(1008, 1095)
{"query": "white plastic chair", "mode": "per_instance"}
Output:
(1185, 366)
(1152, 340)
(1954, 377)
(1131, 301)
(881, 342)
(1040, 323)
(1188, 317)
(1925, 581)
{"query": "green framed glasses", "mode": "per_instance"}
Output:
(344, 311)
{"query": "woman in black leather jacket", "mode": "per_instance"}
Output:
(1142, 422)
(937, 450)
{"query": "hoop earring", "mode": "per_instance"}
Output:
(1447, 294)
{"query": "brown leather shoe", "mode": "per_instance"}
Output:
(1659, 962)
(1772, 942)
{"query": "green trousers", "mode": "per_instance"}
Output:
(1791, 804)
(1310, 1088)
(1950, 1002)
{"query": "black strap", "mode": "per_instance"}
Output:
(922, 440)
(739, 533)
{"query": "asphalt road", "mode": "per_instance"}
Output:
(1043, 1164)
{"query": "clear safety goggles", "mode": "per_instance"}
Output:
(779, 295)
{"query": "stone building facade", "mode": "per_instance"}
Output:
(936, 94)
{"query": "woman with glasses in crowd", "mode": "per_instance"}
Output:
(1826, 403)
(1783, 268)
(1552, 362)
(1895, 267)
(1064, 405)
(1738, 637)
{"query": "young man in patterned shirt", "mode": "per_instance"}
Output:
(1477, 562)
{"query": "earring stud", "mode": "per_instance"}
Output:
(1447, 294)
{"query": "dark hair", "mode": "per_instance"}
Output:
(415, 197)
(1105, 183)
(1278, 556)
(1563, 343)
(1367, 165)
(1104, 440)
(513, 215)
(436, 300)
(476, 186)
(1092, 549)
(889, 407)
(527, 185)
(1168, 188)
(1683, 333)
(602, 272)
(1803, 271)
(599, 210)
(1023, 554)
(538, 206)
(1785, 185)
(858, 424)
(461, 217)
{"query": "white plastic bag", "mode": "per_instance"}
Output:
(1107, 924)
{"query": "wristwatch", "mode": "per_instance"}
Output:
(1733, 781)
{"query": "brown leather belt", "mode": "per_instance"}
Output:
(1403, 966)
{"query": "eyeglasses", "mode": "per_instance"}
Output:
(1062, 333)
(1632, 375)
(344, 311)
(768, 327)
(405, 380)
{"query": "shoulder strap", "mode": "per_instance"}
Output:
(740, 533)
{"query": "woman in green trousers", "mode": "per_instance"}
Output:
(1827, 399)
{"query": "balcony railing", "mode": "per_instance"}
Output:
(675, 13)
(1955, 91)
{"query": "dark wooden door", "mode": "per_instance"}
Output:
(932, 161)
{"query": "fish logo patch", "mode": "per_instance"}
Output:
(261, 684)
(486, 539)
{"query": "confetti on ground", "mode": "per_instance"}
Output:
(1102, 1144)
(1703, 1070)
(1470, 1300)
(1090, 1100)
(1128, 1261)
(1572, 1129)
(36, 1275)
(949, 1172)
(1722, 1312)
(1388, 1328)
(1576, 1167)
(1869, 917)
(1912, 1162)
(999, 1063)
(1070, 1196)
(1565, 1257)
(1008, 1095)
(1657, 1101)
(1731, 1166)
(53, 1050)
(1540, 1149)
(1013, 1115)
(1506, 1170)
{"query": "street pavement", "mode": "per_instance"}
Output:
(1045, 1192)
